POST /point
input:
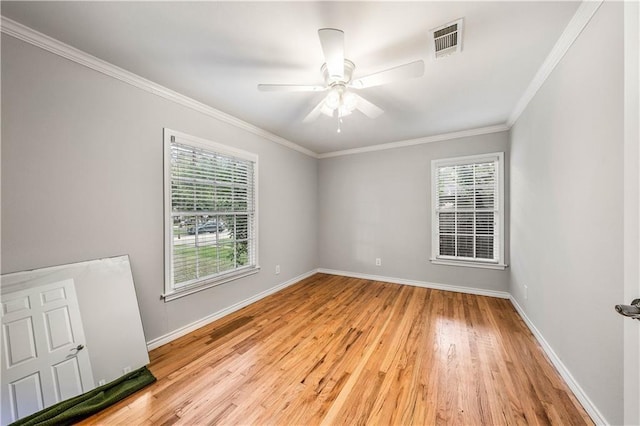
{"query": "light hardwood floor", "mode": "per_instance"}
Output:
(345, 351)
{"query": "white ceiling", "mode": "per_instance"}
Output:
(217, 53)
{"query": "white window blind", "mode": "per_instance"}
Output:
(212, 213)
(467, 209)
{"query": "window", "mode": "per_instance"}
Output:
(468, 211)
(210, 214)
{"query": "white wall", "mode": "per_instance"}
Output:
(378, 205)
(566, 210)
(82, 179)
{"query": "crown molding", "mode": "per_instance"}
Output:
(578, 22)
(419, 141)
(29, 35)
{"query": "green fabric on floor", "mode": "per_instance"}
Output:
(77, 408)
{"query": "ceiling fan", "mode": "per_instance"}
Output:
(337, 72)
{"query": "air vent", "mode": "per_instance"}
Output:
(447, 39)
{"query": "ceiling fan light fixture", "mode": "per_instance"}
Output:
(349, 101)
(333, 100)
(339, 100)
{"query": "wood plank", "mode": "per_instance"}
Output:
(338, 350)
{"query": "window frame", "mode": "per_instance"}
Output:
(172, 292)
(499, 233)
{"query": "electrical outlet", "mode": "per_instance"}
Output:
(102, 382)
(126, 370)
(526, 292)
(378, 261)
(277, 269)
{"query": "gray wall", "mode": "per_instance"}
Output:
(82, 179)
(377, 204)
(566, 210)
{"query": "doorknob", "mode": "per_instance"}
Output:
(631, 311)
(79, 348)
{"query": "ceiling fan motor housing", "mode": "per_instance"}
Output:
(344, 79)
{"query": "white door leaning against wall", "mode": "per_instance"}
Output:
(44, 360)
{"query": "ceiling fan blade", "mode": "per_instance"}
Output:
(314, 112)
(332, 42)
(402, 72)
(367, 108)
(290, 88)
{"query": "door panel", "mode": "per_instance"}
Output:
(66, 378)
(16, 305)
(53, 295)
(20, 345)
(58, 327)
(26, 395)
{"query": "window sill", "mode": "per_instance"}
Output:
(185, 291)
(481, 265)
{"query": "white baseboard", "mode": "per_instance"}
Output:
(577, 390)
(425, 284)
(162, 340)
